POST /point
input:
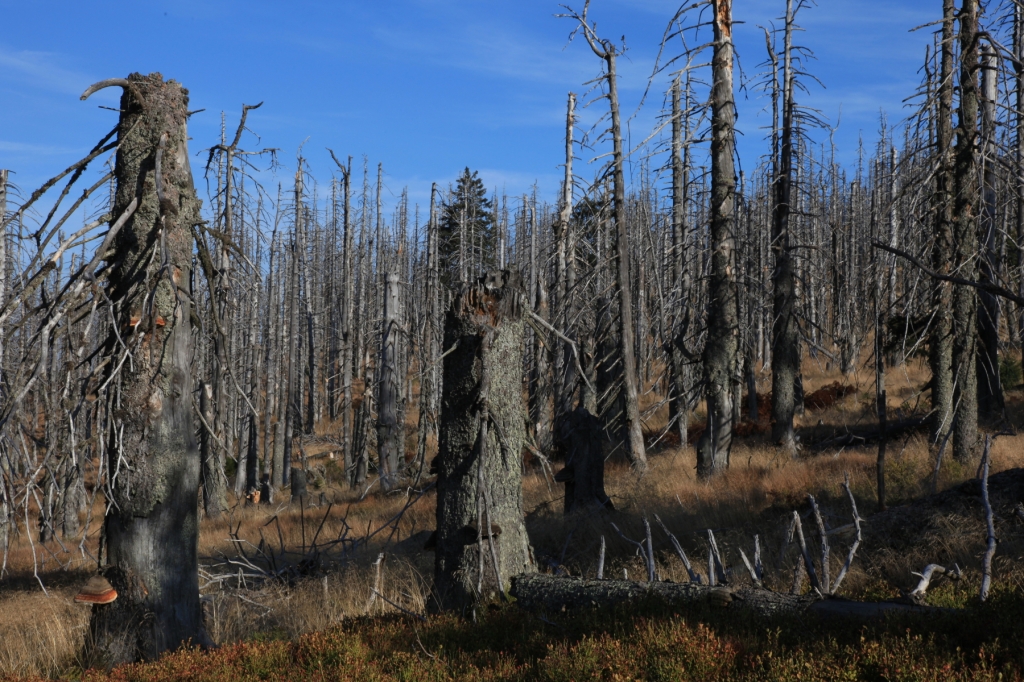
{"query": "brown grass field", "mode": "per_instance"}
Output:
(41, 633)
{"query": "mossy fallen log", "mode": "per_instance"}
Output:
(550, 593)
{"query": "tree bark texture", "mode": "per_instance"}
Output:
(723, 315)
(152, 525)
(965, 240)
(990, 389)
(537, 592)
(390, 434)
(785, 330)
(940, 341)
(481, 435)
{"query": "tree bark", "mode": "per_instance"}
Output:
(389, 432)
(481, 434)
(723, 315)
(539, 592)
(990, 389)
(940, 341)
(965, 240)
(151, 527)
(785, 331)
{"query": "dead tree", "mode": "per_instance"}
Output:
(608, 52)
(722, 344)
(481, 538)
(940, 340)
(151, 527)
(565, 368)
(965, 242)
(990, 389)
(678, 404)
(785, 329)
(389, 430)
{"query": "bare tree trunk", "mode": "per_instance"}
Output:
(785, 330)
(565, 368)
(389, 431)
(678, 407)
(1018, 186)
(607, 51)
(965, 240)
(990, 390)
(723, 314)
(151, 527)
(428, 351)
(940, 339)
(540, 395)
(481, 538)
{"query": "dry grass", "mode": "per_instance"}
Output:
(41, 634)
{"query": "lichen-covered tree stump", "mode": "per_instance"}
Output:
(151, 529)
(481, 537)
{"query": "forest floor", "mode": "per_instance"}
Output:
(339, 603)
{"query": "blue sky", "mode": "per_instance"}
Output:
(424, 86)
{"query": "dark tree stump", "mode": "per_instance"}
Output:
(580, 436)
(481, 434)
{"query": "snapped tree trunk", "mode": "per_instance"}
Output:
(723, 315)
(151, 527)
(481, 537)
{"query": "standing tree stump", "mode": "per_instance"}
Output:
(581, 438)
(152, 526)
(481, 434)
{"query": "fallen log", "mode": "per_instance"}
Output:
(536, 591)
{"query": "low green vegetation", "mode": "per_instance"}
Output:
(647, 641)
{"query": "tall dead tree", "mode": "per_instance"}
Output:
(990, 389)
(481, 537)
(965, 241)
(785, 327)
(565, 369)
(940, 340)
(389, 432)
(608, 52)
(722, 345)
(678, 407)
(151, 527)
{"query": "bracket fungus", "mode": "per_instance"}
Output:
(97, 591)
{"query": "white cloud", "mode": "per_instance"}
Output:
(42, 70)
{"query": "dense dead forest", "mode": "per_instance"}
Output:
(212, 337)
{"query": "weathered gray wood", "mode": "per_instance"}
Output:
(990, 390)
(720, 351)
(390, 434)
(785, 330)
(538, 592)
(965, 242)
(481, 434)
(152, 524)
(940, 347)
